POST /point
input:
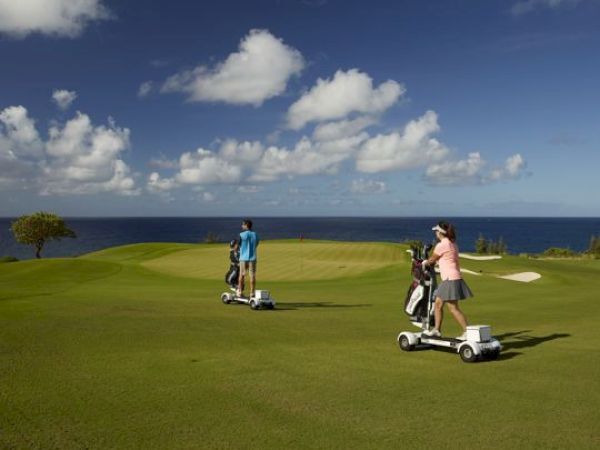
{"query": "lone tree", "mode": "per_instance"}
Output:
(481, 245)
(38, 228)
(594, 248)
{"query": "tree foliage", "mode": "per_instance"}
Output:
(490, 247)
(559, 252)
(212, 238)
(594, 248)
(39, 228)
(481, 245)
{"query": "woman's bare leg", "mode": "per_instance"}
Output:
(457, 313)
(439, 313)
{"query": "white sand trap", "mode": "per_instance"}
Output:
(470, 271)
(525, 277)
(479, 258)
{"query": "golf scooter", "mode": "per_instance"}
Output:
(419, 305)
(261, 299)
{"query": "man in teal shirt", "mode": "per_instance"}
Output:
(248, 243)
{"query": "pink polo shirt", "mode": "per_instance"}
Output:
(449, 266)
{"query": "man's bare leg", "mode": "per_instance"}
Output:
(252, 276)
(240, 288)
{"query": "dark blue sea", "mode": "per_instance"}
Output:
(522, 235)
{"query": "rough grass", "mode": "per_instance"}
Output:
(116, 350)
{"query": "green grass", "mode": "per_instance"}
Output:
(131, 347)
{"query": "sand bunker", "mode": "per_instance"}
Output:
(479, 258)
(525, 277)
(470, 271)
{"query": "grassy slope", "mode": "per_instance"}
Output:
(104, 352)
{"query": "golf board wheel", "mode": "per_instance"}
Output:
(253, 305)
(493, 355)
(467, 354)
(405, 343)
(225, 298)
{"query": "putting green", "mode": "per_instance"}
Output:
(283, 261)
(131, 347)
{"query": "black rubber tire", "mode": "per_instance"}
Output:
(493, 355)
(270, 306)
(254, 305)
(467, 354)
(225, 298)
(405, 344)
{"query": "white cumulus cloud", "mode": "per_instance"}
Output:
(63, 98)
(344, 128)
(18, 135)
(461, 172)
(259, 70)
(472, 171)
(345, 93)
(77, 158)
(85, 159)
(241, 152)
(206, 167)
(249, 189)
(156, 184)
(145, 89)
(306, 158)
(20, 148)
(247, 164)
(513, 168)
(514, 165)
(227, 165)
(362, 186)
(18, 18)
(526, 6)
(411, 148)
(162, 162)
(208, 197)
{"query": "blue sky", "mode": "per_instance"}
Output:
(397, 108)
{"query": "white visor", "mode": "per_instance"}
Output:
(439, 229)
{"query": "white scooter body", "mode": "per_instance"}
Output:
(478, 345)
(261, 299)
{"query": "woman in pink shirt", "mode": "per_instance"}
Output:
(452, 288)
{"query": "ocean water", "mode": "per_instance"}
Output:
(522, 235)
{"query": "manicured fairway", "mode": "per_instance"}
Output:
(280, 261)
(131, 348)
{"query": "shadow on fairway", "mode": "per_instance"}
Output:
(512, 341)
(520, 340)
(507, 355)
(450, 351)
(298, 305)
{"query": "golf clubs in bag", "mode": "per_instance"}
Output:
(422, 288)
(232, 276)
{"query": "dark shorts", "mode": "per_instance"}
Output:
(453, 290)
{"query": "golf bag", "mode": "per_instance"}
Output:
(422, 289)
(232, 276)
